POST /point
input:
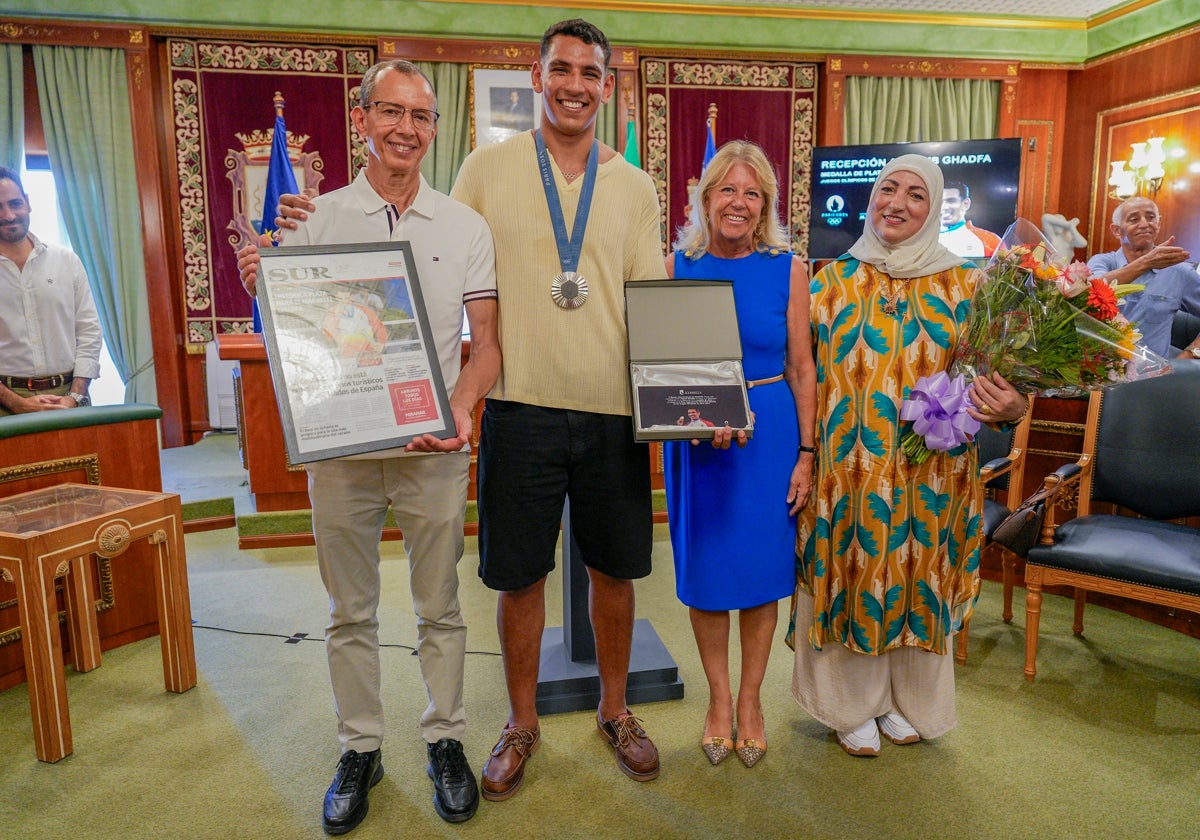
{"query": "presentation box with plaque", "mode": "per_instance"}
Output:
(685, 359)
(353, 360)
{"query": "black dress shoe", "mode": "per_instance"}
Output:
(455, 792)
(346, 799)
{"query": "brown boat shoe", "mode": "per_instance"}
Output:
(504, 769)
(636, 754)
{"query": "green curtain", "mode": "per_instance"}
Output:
(891, 110)
(89, 137)
(451, 83)
(12, 121)
(610, 122)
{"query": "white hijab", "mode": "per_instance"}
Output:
(921, 254)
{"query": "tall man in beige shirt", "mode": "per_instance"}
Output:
(557, 424)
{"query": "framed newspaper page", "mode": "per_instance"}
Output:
(352, 357)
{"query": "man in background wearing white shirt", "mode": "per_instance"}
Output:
(49, 330)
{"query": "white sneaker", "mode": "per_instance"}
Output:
(863, 741)
(898, 730)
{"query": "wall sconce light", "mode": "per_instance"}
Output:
(1142, 174)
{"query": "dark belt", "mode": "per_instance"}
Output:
(37, 383)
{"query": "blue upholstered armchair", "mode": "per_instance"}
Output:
(1141, 450)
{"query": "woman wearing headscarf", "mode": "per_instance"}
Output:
(887, 551)
(733, 512)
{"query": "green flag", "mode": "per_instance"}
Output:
(631, 149)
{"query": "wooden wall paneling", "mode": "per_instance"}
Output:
(1138, 75)
(1037, 139)
(161, 286)
(1040, 115)
(1175, 117)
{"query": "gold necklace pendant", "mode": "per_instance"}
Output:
(891, 296)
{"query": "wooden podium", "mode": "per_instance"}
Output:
(275, 483)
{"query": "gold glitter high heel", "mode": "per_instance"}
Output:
(717, 748)
(750, 750)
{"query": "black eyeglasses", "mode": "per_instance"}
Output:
(390, 113)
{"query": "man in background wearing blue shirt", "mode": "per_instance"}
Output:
(1172, 283)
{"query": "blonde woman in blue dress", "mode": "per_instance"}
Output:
(732, 511)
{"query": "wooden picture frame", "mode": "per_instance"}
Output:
(503, 103)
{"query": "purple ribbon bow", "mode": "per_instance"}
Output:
(937, 408)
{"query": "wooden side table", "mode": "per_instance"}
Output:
(50, 533)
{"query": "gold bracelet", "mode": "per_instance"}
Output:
(1023, 413)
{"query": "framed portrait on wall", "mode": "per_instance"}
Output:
(505, 104)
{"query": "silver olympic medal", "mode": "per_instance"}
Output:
(569, 290)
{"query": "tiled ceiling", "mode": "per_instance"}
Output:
(1067, 9)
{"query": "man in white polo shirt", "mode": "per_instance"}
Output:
(425, 484)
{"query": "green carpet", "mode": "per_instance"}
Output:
(207, 509)
(1104, 744)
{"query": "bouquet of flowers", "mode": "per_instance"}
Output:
(1048, 326)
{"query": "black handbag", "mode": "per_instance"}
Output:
(1019, 532)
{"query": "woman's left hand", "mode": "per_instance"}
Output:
(996, 401)
(801, 484)
(724, 436)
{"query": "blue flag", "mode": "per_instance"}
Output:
(280, 180)
(710, 145)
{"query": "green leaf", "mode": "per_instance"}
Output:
(916, 624)
(920, 532)
(935, 502)
(880, 509)
(885, 406)
(875, 339)
(867, 540)
(871, 606)
(892, 596)
(860, 636)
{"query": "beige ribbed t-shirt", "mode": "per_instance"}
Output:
(563, 358)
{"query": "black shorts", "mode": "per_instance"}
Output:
(531, 459)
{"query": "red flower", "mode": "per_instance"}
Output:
(1102, 300)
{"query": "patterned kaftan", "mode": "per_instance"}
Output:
(888, 550)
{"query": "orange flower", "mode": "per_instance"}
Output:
(1102, 301)
(1029, 261)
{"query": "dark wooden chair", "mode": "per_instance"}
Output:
(1184, 329)
(1002, 471)
(1140, 451)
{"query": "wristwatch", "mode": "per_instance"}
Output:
(80, 399)
(1195, 351)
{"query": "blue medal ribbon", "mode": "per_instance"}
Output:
(568, 249)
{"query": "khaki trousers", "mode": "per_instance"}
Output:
(60, 391)
(350, 499)
(843, 689)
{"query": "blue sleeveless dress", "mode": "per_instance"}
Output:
(733, 540)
